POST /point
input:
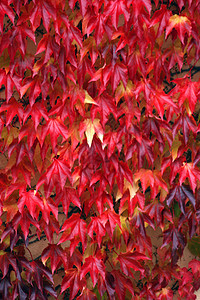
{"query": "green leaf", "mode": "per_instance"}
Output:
(194, 245)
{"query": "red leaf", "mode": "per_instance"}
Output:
(182, 24)
(55, 253)
(32, 202)
(110, 220)
(121, 284)
(58, 168)
(129, 260)
(54, 127)
(78, 229)
(94, 266)
(72, 280)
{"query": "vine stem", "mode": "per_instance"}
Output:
(30, 253)
(115, 252)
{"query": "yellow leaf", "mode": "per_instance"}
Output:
(98, 129)
(175, 146)
(89, 99)
(119, 195)
(132, 188)
(176, 19)
(91, 129)
(89, 132)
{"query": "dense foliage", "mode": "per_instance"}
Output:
(99, 124)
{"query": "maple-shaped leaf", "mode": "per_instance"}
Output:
(102, 201)
(136, 63)
(68, 53)
(4, 287)
(119, 72)
(160, 100)
(67, 196)
(188, 93)
(106, 106)
(107, 285)
(22, 31)
(9, 134)
(23, 171)
(157, 211)
(154, 125)
(7, 259)
(112, 140)
(115, 72)
(50, 228)
(174, 56)
(188, 170)
(13, 108)
(45, 44)
(182, 24)
(5, 9)
(181, 193)
(177, 238)
(38, 272)
(55, 253)
(84, 67)
(115, 9)
(10, 207)
(122, 171)
(24, 220)
(78, 228)
(138, 6)
(54, 127)
(99, 24)
(44, 10)
(129, 260)
(59, 169)
(162, 16)
(110, 219)
(65, 109)
(134, 198)
(89, 46)
(28, 130)
(90, 128)
(47, 289)
(94, 266)
(138, 220)
(188, 125)
(152, 179)
(96, 225)
(35, 88)
(121, 284)
(72, 280)
(10, 81)
(71, 33)
(32, 201)
(37, 111)
(144, 149)
(195, 266)
(21, 150)
(48, 208)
